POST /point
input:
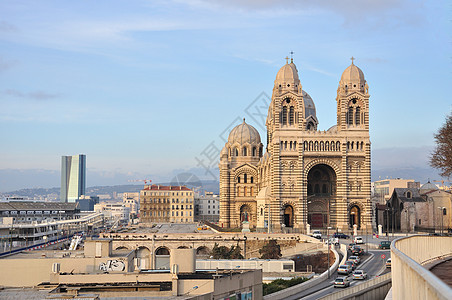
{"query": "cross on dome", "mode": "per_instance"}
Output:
(352, 58)
(287, 59)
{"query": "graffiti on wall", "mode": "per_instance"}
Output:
(112, 265)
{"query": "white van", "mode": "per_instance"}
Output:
(358, 240)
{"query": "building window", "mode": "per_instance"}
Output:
(291, 115)
(444, 211)
(419, 221)
(244, 178)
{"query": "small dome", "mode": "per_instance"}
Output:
(244, 133)
(288, 73)
(353, 75)
(428, 187)
(309, 105)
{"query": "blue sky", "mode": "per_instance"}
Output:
(144, 87)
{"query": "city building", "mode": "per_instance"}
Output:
(73, 177)
(417, 209)
(132, 201)
(382, 189)
(99, 272)
(86, 203)
(207, 207)
(115, 213)
(25, 224)
(305, 176)
(165, 204)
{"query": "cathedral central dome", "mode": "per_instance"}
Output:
(244, 133)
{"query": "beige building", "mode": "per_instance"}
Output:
(383, 189)
(132, 201)
(424, 209)
(304, 176)
(101, 272)
(164, 204)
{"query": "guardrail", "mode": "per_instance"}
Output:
(410, 280)
(363, 288)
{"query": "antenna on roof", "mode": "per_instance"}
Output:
(291, 56)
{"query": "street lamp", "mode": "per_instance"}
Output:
(442, 208)
(328, 243)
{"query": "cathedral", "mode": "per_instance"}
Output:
(305, 178)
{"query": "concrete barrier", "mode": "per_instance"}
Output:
(283, 294)
(375, 288)
(410, 280)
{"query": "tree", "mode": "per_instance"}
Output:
(271, 250)
(223, 252)
(441, 158)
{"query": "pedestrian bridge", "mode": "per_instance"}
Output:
(410, 279)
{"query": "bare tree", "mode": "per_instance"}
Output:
(441, 158)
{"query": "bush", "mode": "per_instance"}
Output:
(280, 284)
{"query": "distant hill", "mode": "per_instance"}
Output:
(210, 186)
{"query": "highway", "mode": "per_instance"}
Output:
(373, 267)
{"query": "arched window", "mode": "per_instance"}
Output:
(260, 151)
(244, 151)
(252, 179)
(262, 211)
(317, 189)
(350, 116)
(236, 152)
(290, 145)
(357, 116)
(295, 145)
(338, 146)
(284, 116)
(238, 179)
(408, 195)
(245, 178)
(291, 115)
(254, 151)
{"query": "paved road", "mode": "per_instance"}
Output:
(373, 267)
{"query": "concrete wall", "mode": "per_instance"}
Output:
(374, 289)
(410, 280)
(274, 265)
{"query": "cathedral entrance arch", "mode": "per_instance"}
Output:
(355, 216)
(321, 195)
(288, 215)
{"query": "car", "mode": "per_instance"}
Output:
(358, 240)
(317, 234)
(341, 235)
(350, 246)
(344, 269)
(355, 259)
(341, 282)
(388, 263)
(357, 250)
(385, 245)
(359, 274)
(351, 264)
(333, 241)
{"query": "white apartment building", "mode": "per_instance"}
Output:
(207, 207)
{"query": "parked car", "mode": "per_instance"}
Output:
(388, 263)
(344, 269)
(355, 259)
(341, 282)
(359, 274)
(351, 264)
(385, 245)
(350, 246)
(358, 240)
(341, 235)
(317, 234)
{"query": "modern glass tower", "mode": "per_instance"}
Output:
(73, 177)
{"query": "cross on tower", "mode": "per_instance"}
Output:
(352, 58)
